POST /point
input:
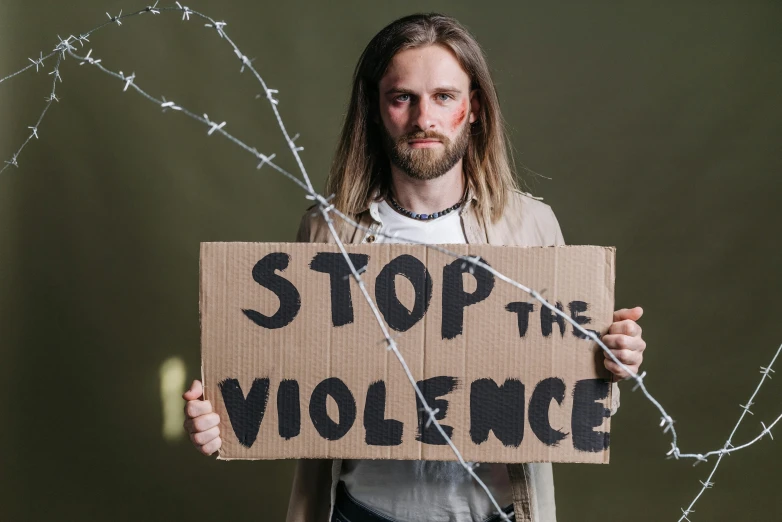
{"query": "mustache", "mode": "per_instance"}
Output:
(423, 135)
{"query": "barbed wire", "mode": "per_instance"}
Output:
(326, 209)
(728, 448)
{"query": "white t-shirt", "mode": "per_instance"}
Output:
(444, 230)
(416, 490)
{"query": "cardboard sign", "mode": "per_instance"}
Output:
(296, 366)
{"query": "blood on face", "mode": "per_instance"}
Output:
(458, 118)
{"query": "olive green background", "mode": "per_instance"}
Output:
(659, 124)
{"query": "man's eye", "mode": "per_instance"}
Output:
(443, 97)
(403, 97)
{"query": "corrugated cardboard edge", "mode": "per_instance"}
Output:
(610, 253)
(204, 246)
(201, 251)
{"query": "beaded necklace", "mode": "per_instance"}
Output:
(421, 217)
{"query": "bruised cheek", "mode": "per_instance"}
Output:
(459, 115)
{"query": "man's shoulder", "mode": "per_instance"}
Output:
(313, 228)
(527, 221)
(524, 202)
(311, 225)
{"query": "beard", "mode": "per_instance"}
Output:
(426, 163)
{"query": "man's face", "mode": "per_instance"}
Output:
(426, 108)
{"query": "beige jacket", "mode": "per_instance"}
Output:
(526, 222)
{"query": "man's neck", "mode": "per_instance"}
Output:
(426, 197)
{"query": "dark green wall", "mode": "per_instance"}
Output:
(659, 124)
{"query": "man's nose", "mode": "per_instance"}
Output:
(422, 118)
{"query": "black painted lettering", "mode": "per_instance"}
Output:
(288, 409)
(549, 317)
(455, 299)
(334, 264)
(395, 313)
(522, 310)
(576, 309)
(431, 389)
(545, 391)
(245, 414)
(346, 404)
(380, 431)
(588, 414)
(499, 409)
(290, 300)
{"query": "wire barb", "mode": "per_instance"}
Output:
(38, 62)
(169, 105)
(89, 60)
(639, 379)
(115, 18)
(264, 160)
(766, 431)
(359, 271)
(64, 46)
(218, 27)
(432, 413)
(128, 81)
(152, 8)
(186, 12)
(673, 452)
(13, 161)
(698, 459)
(212, 125)
(56, 74)
(246, 62)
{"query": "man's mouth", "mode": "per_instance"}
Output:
(427, 142)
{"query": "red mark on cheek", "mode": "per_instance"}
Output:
(459, 116)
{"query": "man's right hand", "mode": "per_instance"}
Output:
(201, 422)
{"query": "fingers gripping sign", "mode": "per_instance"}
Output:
(625, 342)
(201, 423)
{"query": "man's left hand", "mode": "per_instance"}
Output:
(624, 341)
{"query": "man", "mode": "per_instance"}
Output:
(422, 156)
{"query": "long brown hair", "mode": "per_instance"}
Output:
(360, 166)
